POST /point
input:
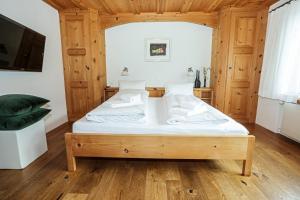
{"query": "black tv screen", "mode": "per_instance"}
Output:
(20, 47)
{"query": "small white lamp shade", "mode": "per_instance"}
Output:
(190, 72)
(125, 72)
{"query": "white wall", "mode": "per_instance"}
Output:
(49, 84)
(125, 47)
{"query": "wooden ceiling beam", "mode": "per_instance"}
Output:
(79, 4)
(160, 6)
(106, 7)
(135, 6)
(54, 4)
(269, 3)
(186, 6)
(241, 3)
(207, 19)
(213, 5)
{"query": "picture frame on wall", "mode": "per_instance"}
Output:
(157, 50)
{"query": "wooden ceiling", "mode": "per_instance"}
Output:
(111, 7)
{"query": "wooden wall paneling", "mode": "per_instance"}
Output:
(222, 58)
(75, 35)
(240, 64)
(262, 20)
(81, 44)
(214, 60)
(102, 58)
(95, 46)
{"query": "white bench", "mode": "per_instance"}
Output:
(19, 148)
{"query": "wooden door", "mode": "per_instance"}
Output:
(77, 68)
(240, 65)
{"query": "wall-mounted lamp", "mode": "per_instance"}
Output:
(125, 72)
(190, 72)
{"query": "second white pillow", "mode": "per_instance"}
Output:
(132, 85)
(180, 89)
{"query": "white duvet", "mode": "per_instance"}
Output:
(191, 110)
(135, 112)
(156, 124)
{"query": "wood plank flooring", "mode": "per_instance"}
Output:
(276, 175)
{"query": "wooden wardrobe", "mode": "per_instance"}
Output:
(84, 60)
(238, 50)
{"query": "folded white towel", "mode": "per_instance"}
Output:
(189, 109)
(120, 109)
(125, 100)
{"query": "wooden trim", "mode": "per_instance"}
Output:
(159, 147)
(202, 18)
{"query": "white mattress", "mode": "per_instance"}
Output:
(156, 125)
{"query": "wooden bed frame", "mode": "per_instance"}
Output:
(160, 147)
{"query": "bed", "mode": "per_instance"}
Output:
(158, 140)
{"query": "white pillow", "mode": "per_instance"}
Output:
(180, 89)
(132, 85)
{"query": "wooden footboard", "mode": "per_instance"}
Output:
(160, 147)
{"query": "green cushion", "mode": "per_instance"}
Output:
(18, 104)
(22, 121)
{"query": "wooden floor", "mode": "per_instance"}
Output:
(276, 175)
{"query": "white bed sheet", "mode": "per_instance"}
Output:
(157, 125)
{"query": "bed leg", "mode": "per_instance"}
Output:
(247, 164)
(71, 161)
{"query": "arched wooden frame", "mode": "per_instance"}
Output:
(207, 19)
(201, 18)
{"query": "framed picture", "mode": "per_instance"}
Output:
(157, 50)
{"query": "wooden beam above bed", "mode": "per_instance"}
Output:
(202, 18)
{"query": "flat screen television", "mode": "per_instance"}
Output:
(20, 47)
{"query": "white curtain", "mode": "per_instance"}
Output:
(280, 77)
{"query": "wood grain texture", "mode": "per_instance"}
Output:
(83, 50)
(160, 147)
(110, 7)
(239, 52)
(202, 18)
(276, 175)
